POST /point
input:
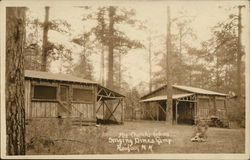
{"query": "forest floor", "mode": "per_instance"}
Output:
(219, 140)
(133, 137)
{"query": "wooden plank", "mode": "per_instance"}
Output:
(33, 111)
(88, 111)
(47, 110)
(93, 108)
(54, 110)
(176, 112)
(122, 110)
(157, 112)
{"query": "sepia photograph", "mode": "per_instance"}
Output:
(125, 79)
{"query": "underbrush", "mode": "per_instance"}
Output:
(57, 136)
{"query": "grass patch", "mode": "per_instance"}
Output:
(52, 137)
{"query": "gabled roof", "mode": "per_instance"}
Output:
(188, 89)
(39, 75)
(55, 77)
(164, 97)
(199, 90)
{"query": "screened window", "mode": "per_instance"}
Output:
(64, 93)
(44, 92)
(82, 95)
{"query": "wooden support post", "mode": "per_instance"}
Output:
(166, 110)
(157, 110)
(94, 90)
(122, 108)
(103, 116)
(215, 109)
(176, 111)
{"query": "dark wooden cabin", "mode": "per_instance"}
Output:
(189, 105)
(52, 95)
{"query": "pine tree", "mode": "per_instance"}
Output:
(15, 113)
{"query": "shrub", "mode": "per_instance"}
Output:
(58, 136)
(236, 114)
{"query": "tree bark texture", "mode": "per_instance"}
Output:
(111, 47)
(150, 62)
(239, 56)
(15, 114)
(169, 110)
(45, 40)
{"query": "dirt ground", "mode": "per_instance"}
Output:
(219, 140)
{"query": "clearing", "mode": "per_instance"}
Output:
(220, 140)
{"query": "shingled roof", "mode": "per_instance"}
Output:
(39, 75)
(190, 90)
(55, 77)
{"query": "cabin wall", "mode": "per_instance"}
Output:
(35, 108)
(208, 106)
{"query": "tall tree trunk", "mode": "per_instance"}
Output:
(45, 40)
(111, 47)
(217, 72)
(15, 114)
(120, 71)
(102, 70)
(110, 83)
(239, 56)
(150, 62)
(169, 110)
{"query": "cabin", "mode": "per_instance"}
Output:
(53, 95)
(189, 105)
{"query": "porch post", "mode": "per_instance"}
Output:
(103, 116)
(122, 106)
(166, 111)
(176, 111)
(157, 111)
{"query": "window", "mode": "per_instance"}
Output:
(44, 92)
(64, 93)
(82, 95)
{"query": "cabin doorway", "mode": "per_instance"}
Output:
(185, 112)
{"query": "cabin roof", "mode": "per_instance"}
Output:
(188, 89)
(164, 97)
(199, 90)
(29, 74)
(55, 76)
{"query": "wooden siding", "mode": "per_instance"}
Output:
(211, 106)
(85, 109)
(44, 109)
(53, 109)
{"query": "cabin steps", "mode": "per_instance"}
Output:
(217, 122)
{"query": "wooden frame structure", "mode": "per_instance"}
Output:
(71, 97)
(189, 104)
